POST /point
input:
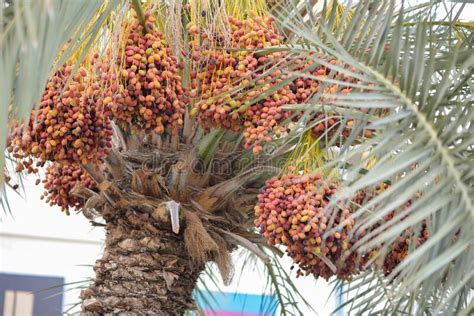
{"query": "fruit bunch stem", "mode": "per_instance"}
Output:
(141, 16)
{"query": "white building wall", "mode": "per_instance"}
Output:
(37, 239)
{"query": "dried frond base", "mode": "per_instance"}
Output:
(154, 254)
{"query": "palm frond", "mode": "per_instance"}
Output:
(420, 76)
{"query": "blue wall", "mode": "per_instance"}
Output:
(46, 302)
(241, 303)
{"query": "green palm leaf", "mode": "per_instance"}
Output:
(423, 74)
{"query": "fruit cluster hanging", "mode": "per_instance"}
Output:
(236, 87)
(149, 95)
(293, 211)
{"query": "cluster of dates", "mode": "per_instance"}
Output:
(149, 95)
(221, 100)
(292, 211)
(295, 211)
(72, 126)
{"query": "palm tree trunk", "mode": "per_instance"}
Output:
(145, 270)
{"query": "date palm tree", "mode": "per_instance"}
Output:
(205, 107)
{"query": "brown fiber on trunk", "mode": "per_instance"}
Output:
(145, 270)
(165, 219)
